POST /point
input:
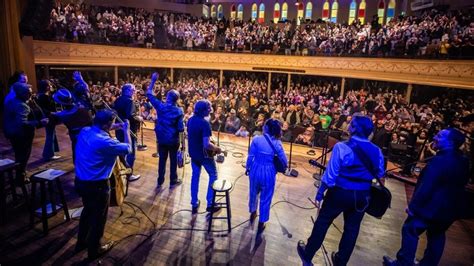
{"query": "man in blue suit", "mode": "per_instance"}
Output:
(436, 202)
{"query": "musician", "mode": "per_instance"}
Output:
(19, 127)
(127, 108)
(47, 106)
(74, 117)
(199, 133)
(262, 171)
(96, 155)
(436, 201)
(348, 183)
(18, 76)
(169, 130)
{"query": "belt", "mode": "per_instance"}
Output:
(92, 182)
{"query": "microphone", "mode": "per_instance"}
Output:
(316, 164)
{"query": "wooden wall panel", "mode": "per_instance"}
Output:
(444, 73)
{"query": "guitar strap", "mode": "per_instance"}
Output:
(368, 164)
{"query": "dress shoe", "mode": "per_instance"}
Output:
(176, 183)
(387, 261)
(253, 215)
(102, 250)
(196, 207)
(261, 228)
(301, 252)
(133, 178)
(213, 209)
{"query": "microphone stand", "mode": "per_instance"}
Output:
(289, 171)
(141, 146)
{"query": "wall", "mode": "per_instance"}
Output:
(442, 73)
(343, 13)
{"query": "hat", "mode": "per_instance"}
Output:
(63, 96)
(232, 111)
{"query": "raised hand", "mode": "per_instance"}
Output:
(77, 76)
(154, 76)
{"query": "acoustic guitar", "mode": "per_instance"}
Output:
(212, 153)
(118, 182)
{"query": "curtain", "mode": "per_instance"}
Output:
(12, 52)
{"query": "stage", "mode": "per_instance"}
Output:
(156, 227)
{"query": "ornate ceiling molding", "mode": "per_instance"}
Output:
(448, 73)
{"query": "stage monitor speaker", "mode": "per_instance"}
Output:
(36, 17)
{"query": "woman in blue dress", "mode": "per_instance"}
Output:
(262, 171)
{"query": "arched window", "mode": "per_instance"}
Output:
(233, 12)
(300, 13)
(361, 13)
(352, 12)
(213, 11)
(240, 12)
(276, 13)
(254, 12)
(381, 11)
(261, 13)
(326, 11)
(284, 12)
(334, 9)
(220, 12)
(390, 10)
(309, 11)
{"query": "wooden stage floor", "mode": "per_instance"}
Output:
(155, 227)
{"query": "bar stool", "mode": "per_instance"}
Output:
(7, 176)
(221, 189)
(49, 182)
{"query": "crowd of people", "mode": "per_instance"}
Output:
(244, 106)
(432, 34)
(310, 111)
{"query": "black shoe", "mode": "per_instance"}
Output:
(102, 250)
(196, 207)
(301, 252)
(261, 228)
(159, 184)
(253, 215)
(213, 209)
(176, 183)
(387, 261)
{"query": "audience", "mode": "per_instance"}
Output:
(433, 34)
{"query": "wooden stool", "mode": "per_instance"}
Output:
(52, 198)
(221, 188)
(7, 176)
